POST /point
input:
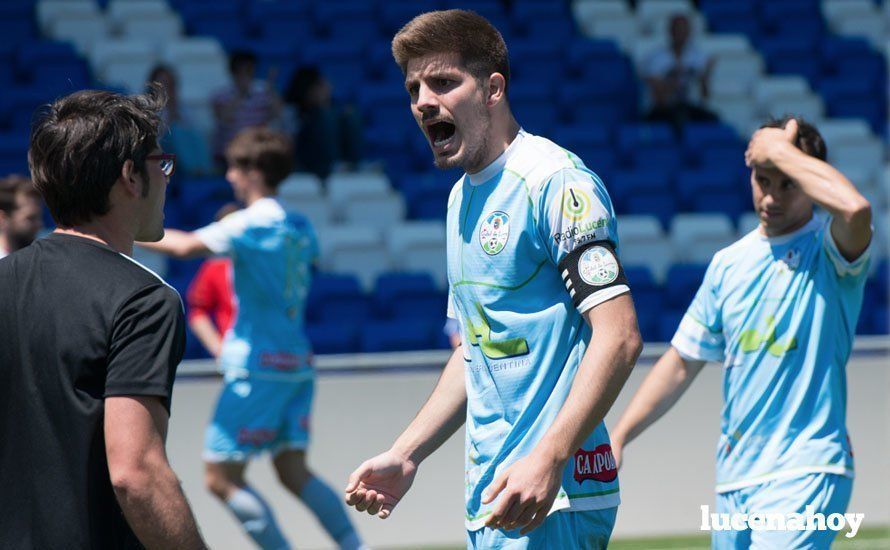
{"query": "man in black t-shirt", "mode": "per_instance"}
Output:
(91, 341)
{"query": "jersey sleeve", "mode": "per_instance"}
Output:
(147, 343)
(220, 236)
(577, 223)
(700, 335)
(853, 271)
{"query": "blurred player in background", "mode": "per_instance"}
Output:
(532, 268)
(91, 341)
(21, 214)
(778, 308)
(266, 357)
(211, 297)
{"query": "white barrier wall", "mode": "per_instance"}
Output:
(363, 402)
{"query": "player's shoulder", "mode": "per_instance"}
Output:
(735, 253)
(538, 159)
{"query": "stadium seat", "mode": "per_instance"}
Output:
(714, 45)
(315, 207)
(621, 28)
(81, 29)
(419, 246)
(49, 11)
(123, 62)
(330, 295)
(696, 237)
(354, 249)
(747, 222)
(681, 284)
(340, 336)
(398, 335)
(647, 297)
(158, 29)
(691, 183)
(642, 243)
(118, 12)
(379, 211)
(299, 185)
(625, 184)
(652, 14)
(668, 323)
(344, 187)
(408, 295)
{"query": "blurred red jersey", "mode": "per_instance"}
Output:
(210, 293)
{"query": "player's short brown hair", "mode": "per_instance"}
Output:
(808, 140)
(12, 187)
(262, 149)
(481, 47)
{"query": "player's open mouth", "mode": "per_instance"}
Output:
(441, 134)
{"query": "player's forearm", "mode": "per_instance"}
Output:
(206, 332)
(156, 508)
(444, 412)
(179, 244)
(662, 387)
(824, 184)
(604, 369)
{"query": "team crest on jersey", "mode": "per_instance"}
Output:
(598, 266)
(575, 204)
(791, 259)
(494, 232)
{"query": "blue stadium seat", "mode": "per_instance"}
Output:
(333, 337)
(537, 117)
(193, 347)
(534, 10)
(392, 289)
(636, 135)
(691, 183)
(330, 297)
(394, 14)
(355, 30)
(880, 321)
(230, 31)
(640, 182)
(682, 282)
(668, 323)
(648, 300)
(662, 205)
(398, 335)
(703, 135)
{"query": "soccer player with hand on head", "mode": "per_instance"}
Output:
(778, 308)
(548, 328)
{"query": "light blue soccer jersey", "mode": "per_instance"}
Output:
(508, 228)
(780, 314)
(272, 253)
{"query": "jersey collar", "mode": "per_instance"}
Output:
(811, 225)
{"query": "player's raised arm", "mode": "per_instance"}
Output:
(821, 182)
(528, 488)
(662, 387)
(179, 244)
(380, 482)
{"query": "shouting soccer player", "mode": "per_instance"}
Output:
(533, 273)
(778, 308)
(266, 357)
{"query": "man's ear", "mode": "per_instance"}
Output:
(497, 89)
(130, 180)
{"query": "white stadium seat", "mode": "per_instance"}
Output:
(747, 223)
(653, 15)
(722, 44)
(623, 29)
(638, 227)
(809, 107)
(193, 50)
(81, 29)
(52, 10)
(771, 88)
(315, 208)
(354, 249)
(835, 10)
(696, 237)
(641, 242)
(158, 29)
(419, 246)
(351, 186)
(300, 184)
(123, 62)
(586, 12)
(120, 11)
(379, 211)
(872, 27)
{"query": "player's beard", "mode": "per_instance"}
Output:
(474, 142)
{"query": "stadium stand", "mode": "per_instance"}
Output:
(678, 198)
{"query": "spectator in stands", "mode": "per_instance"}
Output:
(677, 76)
(182, 137)
(328, 137)
(267, 359)
(91, 340)
(778, 309)
(211, 297)
(246, 102)
(20, 214)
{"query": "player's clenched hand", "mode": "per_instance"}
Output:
(767, 142)
(380, 483)
(525, 492)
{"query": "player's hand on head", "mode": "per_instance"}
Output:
(766, 142)
(524, 493)
(380, 483)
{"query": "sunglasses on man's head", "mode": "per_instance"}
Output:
(168, 162)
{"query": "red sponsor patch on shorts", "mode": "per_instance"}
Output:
(256, 437)
(598, 464)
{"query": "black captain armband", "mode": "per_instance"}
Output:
(590, 269)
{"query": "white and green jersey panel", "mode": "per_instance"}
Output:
(523, 332)
(780, 314)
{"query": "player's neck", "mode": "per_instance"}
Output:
(4, 244)
(104, 230)
(500, 141)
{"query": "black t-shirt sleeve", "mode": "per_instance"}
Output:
(147, 343)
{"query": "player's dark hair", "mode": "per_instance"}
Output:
(481, 47)
(79, 145)
(262, 149)
(241, 57)
(13, 186)
(808, 140)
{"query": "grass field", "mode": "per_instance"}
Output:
(875, 538)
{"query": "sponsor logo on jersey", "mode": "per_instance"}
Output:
(598, 464)
(790, 260)
(581, 232)
(753, 340)
(575, 204)
(494, 232)
(598, 266)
